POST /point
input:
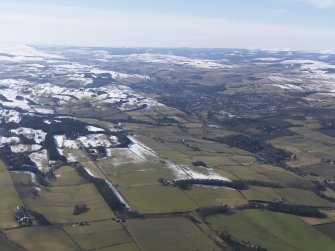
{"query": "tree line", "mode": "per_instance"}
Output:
(240, 184)
(287, 208)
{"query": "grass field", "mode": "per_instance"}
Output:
(131, 246)
(175, 156)
(7, 245)
(150, 142)
(80, 155)
(309, 145)
(57, 204)
(67, 176)
(57, 201)
(9, 198)
(267, 173)
(134, 175)
(274, 231)
(205, 197)
(177, 234)
(261, 193)
(327, 229)
(323, 170)
(42, 238)
(97, 235)
(93, 169)
(302, 197)
(158, 199)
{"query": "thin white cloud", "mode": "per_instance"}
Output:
(279, 11)
(78, 26)
(320, 3)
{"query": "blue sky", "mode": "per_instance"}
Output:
(300, 24)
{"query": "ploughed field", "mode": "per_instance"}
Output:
(166, 150)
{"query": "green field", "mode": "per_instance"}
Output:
(7, 245)
(267, 173)
(327, 229)
(261, 194)
(323, 170)
(57, 201)
(158, 199)
(67, 176)
(98, 235)
(57, 204)
(205, 197)
(9, 198)
(131, 246)
(302, 197)
(309, 145)
(137, 174)
(176, 234)
(42, 238)
(274, 231)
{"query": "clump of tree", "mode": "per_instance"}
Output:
(72, 128)
(40, 218)
(207, 211)
(330, 184)
(325, 197)
(236, 245)
(235, 184)
(22, 162)
(3, 98)
(185, 143)
(106, 192)
(319, 188)
(166, 120)
(263, 151)
(199, 163)
(262, 183)
(24, 140)
(186, 184)
(80, 209)
(50, 146)
(287, 208)
(102, 152)
(124, 141)
(16, 160)
(304, 211)
(101, 80)
(23, 217)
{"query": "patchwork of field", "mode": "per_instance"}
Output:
(158, 199)
(169, 234)
(207, 197)
(267, 173)
(135, 172)
(57, 201)
(93, 230)
(136, 175)
(166, 149)
(101, 235)
(9, 198)
(44, 238)
(274, 231)
(302, 197)
(309, 144)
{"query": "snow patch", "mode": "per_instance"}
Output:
(37, 135)
(20, 148)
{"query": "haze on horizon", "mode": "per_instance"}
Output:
(295, 24)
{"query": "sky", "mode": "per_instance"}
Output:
(271, 24)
